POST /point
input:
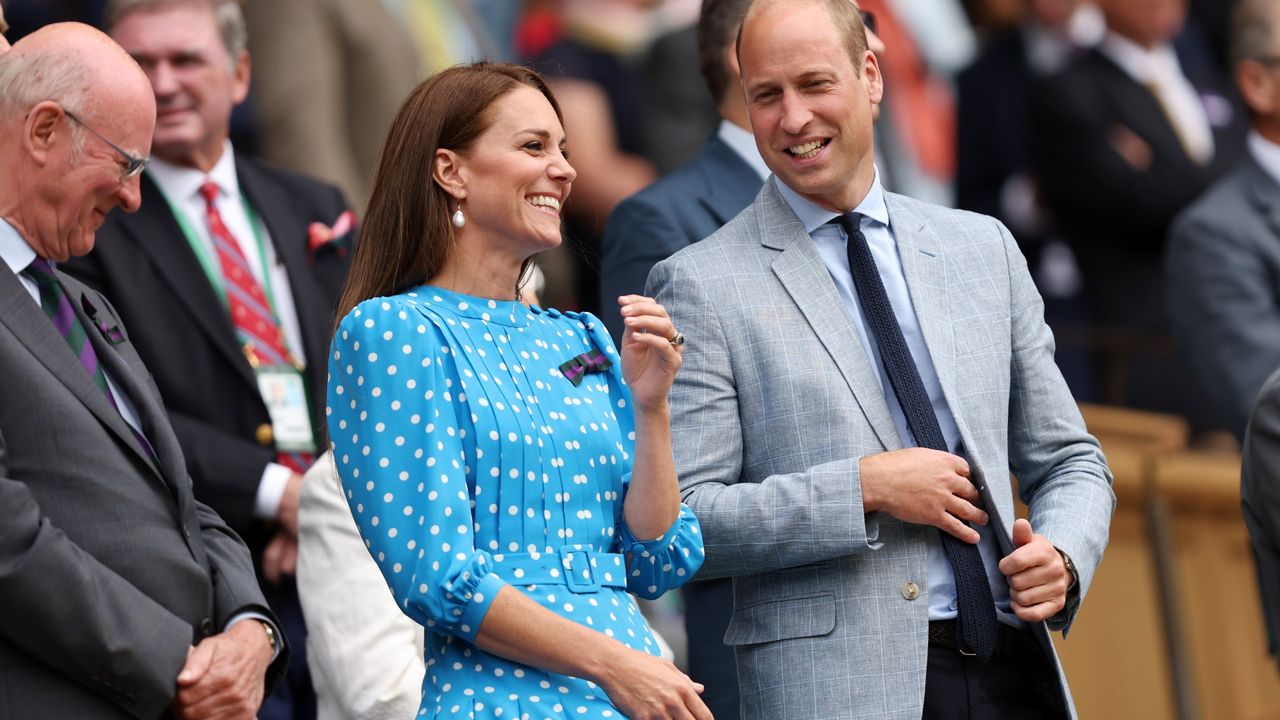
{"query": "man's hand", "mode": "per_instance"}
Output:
(280, 557)
(288, 512)
(224, 676)
(923, 486)
(1038, 578)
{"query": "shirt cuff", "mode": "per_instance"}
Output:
(270, 490)
(250, 615)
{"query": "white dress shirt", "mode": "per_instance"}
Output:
(1266, 153)
(832, 244)
(181, 187)
(743, 143)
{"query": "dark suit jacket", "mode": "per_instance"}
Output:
(1223, 270)
(678, 210)
(109, 568)
(1116, 217)
(646, 228)
(1260, 500)
(145, 266)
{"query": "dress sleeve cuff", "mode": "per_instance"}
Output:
(481, 597)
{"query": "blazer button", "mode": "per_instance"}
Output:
(910, 590)
(264, 435)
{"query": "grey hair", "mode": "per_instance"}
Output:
(1253, 31)
(28, 78)
(227, 13)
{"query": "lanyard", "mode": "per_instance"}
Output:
(210, 265)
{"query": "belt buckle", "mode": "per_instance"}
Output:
(579, 576)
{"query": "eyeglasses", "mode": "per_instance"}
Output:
(134, 165)
(1272, 60)
(868, 20)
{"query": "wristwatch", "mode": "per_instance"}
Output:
(1073, 588)
(271, 635)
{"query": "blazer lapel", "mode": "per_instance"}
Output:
(808, 282)
(731, 182)
(157, 234)
(1264, 193)
(29, 324)
(925, 265)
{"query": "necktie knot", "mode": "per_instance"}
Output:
(209, 191)
(41, 271)
(851, 222)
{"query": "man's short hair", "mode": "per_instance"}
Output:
(31, 77)
(717, 27)
(1253, 31)
(845, 16)
(230, 18)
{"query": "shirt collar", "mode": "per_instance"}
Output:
(180, 184)
(14, 250)
(1138, 62)
(1266, 153)
(742, 142)
(813, 216)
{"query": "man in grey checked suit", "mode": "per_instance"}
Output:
(121, 596)
(789, 433)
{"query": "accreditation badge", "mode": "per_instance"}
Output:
(285, 395)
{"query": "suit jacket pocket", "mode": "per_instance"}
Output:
(783, 619)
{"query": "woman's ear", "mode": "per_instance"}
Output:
(447, 173)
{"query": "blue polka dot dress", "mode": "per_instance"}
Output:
(471, 462)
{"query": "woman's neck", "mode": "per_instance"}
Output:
(485, 275)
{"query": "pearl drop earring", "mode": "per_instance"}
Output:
(458, 219)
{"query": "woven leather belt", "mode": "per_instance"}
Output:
(943, 633)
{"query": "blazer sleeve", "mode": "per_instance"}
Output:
(748, 528)
(1222, 305)
(1062, 475)
(639, 235)
(65, 608)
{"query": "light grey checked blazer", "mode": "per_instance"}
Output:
(776, 403)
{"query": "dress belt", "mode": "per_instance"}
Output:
(581, 569)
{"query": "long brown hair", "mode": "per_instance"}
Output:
(406, 237)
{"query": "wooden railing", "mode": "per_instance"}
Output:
(1172, 626)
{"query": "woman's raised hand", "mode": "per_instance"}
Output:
(651, 348)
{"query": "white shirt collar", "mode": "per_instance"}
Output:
(14, 250)
(1139, 63)
(182, 183)
(1266, 153)
(742, 142)
(814, 216)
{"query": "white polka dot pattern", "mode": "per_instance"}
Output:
(467, 458)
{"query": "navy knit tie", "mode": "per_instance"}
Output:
(974, 604)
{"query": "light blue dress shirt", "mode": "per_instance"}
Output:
(831, 243)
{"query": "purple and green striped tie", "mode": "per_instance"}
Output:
(56, 305)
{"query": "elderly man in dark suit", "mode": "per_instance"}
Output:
(228, 275)
(1223, 264)
(124, 597)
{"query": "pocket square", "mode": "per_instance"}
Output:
(320, 235)
(577, 368)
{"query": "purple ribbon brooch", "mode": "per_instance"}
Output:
(578, 368)
(110, 331)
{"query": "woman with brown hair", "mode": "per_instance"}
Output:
(511, 485)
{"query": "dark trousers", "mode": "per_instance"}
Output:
(1011, 686)
(293, 698)
(708, 604)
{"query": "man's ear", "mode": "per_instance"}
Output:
(1257, 87)
(447, 172)
(40, 133)
(240, 78)
(871, 74)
